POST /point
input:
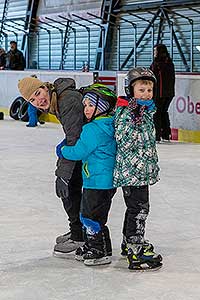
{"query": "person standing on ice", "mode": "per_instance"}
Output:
(96, 148)
(63, 100)
(136, 164)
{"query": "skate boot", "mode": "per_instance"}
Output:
(81, 251)
(94, 257)
(141, 259)
(61, 249)
(63, 238)
(124, 250)
(100, 249)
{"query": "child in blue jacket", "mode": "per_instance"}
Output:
(96, 148)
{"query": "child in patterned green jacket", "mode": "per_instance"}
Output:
(137, 164)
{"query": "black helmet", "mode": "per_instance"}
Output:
(137, 74)
(103, 92)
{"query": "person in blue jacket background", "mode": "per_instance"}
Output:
(96, 148)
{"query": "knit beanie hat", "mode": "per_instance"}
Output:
(28, 85)
(102, 105)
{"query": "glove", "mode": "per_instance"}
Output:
(58, 148)
(62, 188)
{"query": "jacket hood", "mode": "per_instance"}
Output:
(62, 84)
(106, 124)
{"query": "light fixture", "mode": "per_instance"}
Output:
(198, 48)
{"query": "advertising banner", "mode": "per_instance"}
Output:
(185, 107)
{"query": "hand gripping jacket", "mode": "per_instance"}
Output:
(139, 73)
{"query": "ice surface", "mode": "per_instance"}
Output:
(31, 217)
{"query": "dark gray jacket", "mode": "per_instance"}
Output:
(70, 115)
(15, 60)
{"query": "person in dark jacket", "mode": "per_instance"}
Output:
(63, 100)
(2, 59)
(14, 58)
(163, 69)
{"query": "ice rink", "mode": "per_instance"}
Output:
(32, 216)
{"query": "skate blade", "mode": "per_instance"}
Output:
(68, 255)
(98, 261)
(79, 258)
(145, 268)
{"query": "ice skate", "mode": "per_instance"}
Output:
(124, 250)
(141, 259)
(81, 251)
(100, 249)
(63, 238)
(62, 249)
(93, 257)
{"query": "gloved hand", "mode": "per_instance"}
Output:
(62, 189)
(58, 148)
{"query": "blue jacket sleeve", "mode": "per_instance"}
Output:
(85, 145)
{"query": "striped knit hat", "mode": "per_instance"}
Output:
(102, 105)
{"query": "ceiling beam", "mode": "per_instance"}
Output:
(140, 5)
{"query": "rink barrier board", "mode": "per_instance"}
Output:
(180, 135)
(43, 117)
(184, 110)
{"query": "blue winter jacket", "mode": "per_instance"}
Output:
(96, 148)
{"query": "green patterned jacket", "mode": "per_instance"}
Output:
(136, 160)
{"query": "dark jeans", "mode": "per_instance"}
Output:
(137, 203)
(72, 203)
(161, 118)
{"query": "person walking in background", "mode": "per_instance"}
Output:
(163, 69)
(63, 100)
(136, 164)
(96, 148)
(14, 58)
(2, 59)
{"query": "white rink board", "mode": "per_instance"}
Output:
(9, 81)
(184, 109)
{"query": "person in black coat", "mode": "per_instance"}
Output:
(2, 59)
(163, 69)
(14, 58)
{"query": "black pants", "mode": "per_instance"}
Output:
(95, 206)
(137, 203)
(72, 203)
(161, 118)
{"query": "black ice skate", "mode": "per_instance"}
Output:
(81, 251)
(100, 249)
(124, 249)
(93, 257)
(140, 259)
